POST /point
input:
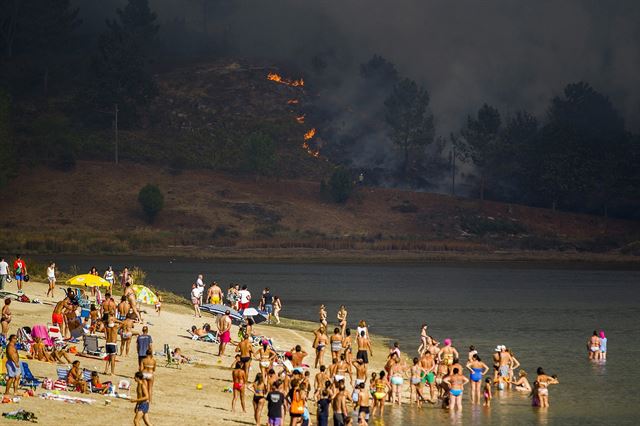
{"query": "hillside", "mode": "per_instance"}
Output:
(94, 209)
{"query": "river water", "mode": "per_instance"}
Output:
(545, 313)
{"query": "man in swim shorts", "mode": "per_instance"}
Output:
(224, 331)
(111, 347)
(246, 351)
(214, 294)
(142, 400)
(364, 347)
(504, 366)
(13, 365)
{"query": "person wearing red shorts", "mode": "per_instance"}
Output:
(245, 298)
(224, 331)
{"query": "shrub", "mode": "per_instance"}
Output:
(340, 185)
(260, 154)
(151, 200)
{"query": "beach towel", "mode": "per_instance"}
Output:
(40, 331)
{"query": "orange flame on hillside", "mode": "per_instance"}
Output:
(279, 79)
(305, 145)
(292, 101)
(310, 134)
(300, 119)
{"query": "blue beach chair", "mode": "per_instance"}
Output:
(26, 376)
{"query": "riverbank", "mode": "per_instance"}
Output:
(176, 397)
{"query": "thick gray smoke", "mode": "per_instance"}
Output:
(512, 54)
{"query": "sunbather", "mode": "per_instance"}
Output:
(178, 356)
(75, 378)
(148, 368)
(39, 352)
(98, 386)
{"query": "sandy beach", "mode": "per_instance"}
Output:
(175, 396)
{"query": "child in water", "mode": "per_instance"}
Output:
(487, 392)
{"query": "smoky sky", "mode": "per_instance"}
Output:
(511, 54)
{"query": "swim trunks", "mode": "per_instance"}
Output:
(57, 318)
(225, 337)
(142, 406)
(363, 355)
(275, 421)
(504, 371)
(456, 392)
(12, 369)
(111, 348)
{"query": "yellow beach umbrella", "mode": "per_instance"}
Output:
(88, 280)
(144, 295)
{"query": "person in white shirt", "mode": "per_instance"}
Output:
(245, 298)
(51, 276)
(196, 294)
(4, 272)
(110, 277)
(200, 284)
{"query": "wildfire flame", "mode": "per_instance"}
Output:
(292, 102)
(305, 145)
(279, 79)
(310, 134)
(300, 119)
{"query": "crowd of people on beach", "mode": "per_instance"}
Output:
(335, 381)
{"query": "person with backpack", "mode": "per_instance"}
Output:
(20, 272)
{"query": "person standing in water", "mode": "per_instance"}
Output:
(593, 345)
(603, 346)
(477, 369)
(456, 382)
(544, 381)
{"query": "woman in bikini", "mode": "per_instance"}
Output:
(265, 356)
(396, 373)
(522, 384)
(320, 342)
(456, 382)
(417, 372)
(380, 387)
(342, 318)
(6, 317)
(259, 389)
(277, 306)
(544, 381)
(239, 378)
(336, 344)
(148, 368)
(477, 369)
(424, 344)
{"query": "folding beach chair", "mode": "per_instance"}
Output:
(91, 346)
(55, 334)
(171, 361)
(24, 339)
(86, 376)
(63, 376)
(27, 378)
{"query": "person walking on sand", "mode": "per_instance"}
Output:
(6, 317)
(224, 331)
(244, 298)
(142, 401)
(364, 347)
(148, 369)
(4, 272)
(259, 389)
(477, 369)
(124, 276)
(196, 294)
(336, 343)
(51, 277)
(456, 382)
(111, 345)
(277, 306)
(144, 342)
(267, 303)
(19, 271)
(109, 276)
(342, 318)
(12, 365)
(320, 342)
(246, 353)
(239, 377)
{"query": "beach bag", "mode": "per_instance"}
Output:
(59, 385)
(47, 384)
(23, 298)
(26, 278)
(297, 405)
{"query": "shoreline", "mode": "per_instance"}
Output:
(314, 256)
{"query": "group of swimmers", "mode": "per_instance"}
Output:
(438, 374)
